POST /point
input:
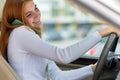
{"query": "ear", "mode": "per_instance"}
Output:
(17, 22)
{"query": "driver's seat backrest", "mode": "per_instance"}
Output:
(6, 71)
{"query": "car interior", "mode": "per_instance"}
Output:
(6, 71)
(108, 64)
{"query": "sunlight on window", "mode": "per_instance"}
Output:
(113, 4)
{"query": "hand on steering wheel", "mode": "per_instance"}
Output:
(109, 46)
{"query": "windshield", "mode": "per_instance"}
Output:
(111, 4)
(65, 24)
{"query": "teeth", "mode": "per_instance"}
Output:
(37, 22)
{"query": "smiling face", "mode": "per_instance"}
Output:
(32, 15)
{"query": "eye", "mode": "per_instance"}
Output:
(36, 8)
(28, 14)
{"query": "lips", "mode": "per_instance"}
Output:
(38, 22)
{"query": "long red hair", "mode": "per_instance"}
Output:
(12, 10)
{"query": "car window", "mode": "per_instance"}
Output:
(113, 5)
(65, 24)
(2, 2)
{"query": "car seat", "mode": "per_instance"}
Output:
(6, 71)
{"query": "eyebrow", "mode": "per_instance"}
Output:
(35, 5)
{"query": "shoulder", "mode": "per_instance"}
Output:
(22, 30)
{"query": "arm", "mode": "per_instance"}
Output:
(75, 74)
(31, 43)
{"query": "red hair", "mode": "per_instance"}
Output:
(12, 10)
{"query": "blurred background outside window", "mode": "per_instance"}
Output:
(64, 25)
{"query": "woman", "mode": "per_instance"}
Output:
(29, 55)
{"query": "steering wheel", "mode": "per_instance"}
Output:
(110, 45)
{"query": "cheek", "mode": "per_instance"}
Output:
(30, 21)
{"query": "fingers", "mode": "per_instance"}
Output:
(94, 66)
(106, 31)
(115, 29)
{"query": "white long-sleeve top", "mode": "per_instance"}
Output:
(29, 56)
